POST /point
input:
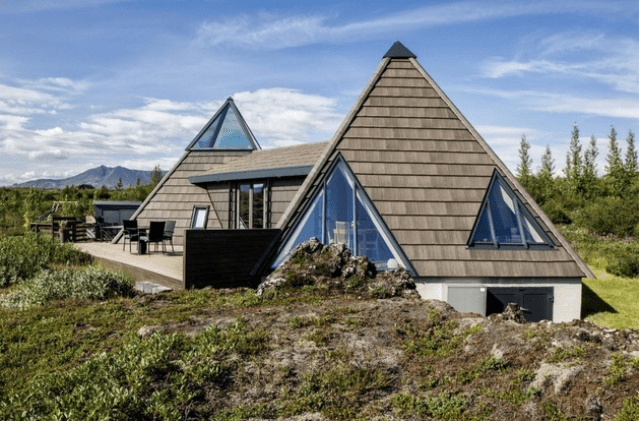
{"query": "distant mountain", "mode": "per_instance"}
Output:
(96, 177)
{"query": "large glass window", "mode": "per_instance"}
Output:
(504, 221)
(207, 138)
(250, 206)
(338, 222)
(503, 213)
(244, 193)
(231, 135)
(371, 242)
(339, 212)
(483, 233)
(257, 206)
(225, 132)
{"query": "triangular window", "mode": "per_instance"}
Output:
(226, 130)
(341, 213)
(504, 221)
(231, 134)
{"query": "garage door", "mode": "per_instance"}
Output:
(536, 303)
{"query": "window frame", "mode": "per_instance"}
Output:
(234, 206)
(358, 193)
(520, 212)
(195, 213)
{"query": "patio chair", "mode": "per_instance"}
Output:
(168, 233)
(155, 234)
(130, 232)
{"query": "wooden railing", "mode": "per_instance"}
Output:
(77, 231)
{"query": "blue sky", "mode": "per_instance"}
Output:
(104, 82)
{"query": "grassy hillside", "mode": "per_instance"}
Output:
(227, 355)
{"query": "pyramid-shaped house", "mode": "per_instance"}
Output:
(407, 181)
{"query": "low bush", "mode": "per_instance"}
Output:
(90, 283)
(626, 266)
(22, 257)
(556, 212)
(610, 215)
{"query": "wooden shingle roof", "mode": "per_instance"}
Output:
(298, 156)
(426, 170)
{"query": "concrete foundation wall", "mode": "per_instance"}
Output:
(567, 293)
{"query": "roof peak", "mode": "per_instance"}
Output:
(226, 130)
(398, 50)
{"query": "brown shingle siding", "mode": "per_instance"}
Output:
(403, 92)
(418, 157)
(400, 73)
(415, 82)
(426, 171)
(405, 102)
(408, 122)
(399, 145)
(424, 181)
(373, 111)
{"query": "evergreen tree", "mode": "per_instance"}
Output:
(590, 170)
(548, 164)
(574, 169)
(156, 175)
(631, 158)
(524, 168)
(138, 182)
(545, 176)
(614, 162)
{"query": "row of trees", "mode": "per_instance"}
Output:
(604, 205)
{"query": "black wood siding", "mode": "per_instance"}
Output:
(224, 258)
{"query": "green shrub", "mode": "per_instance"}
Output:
(89, 283)
(446, 406)
(21, 257)
(629, 411)
(626, 266)
(556, 212)
(610, 215)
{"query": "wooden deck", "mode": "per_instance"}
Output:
(165, 269)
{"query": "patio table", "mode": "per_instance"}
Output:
(142, 245)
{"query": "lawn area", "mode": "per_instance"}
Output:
(610, 300)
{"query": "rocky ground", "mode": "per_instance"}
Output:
(361, 345)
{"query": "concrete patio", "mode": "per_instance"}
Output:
(165, 269)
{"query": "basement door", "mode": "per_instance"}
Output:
(536, 303)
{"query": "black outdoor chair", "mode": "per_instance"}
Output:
(155, 234)
(130, 232)
(168, 233)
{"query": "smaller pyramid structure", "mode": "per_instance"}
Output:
(226, 130)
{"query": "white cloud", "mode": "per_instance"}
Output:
(609, 61)
(276, 31)
(27, 6)
(43, 96)
(56, 84)
(158, 131)
(564, 103)
(281, 117)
